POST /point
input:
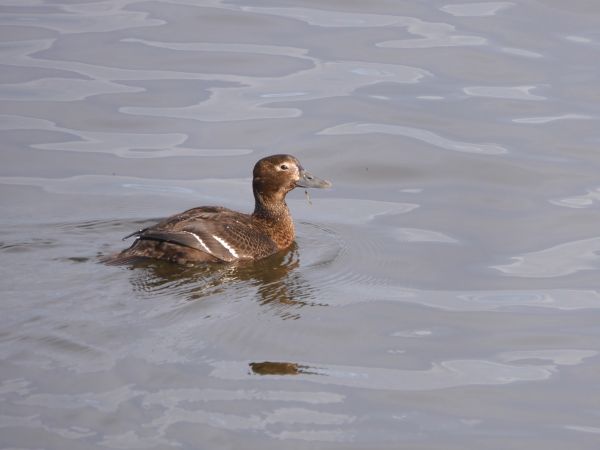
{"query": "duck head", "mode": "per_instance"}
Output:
(276, 175)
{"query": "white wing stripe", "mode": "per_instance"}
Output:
(200, 241)
(225, 244)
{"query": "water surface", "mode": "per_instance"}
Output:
(444, 294)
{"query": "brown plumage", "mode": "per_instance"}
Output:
(217, 234)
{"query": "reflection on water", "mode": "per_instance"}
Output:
(278, 368)
(276, 282)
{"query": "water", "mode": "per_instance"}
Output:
(444, 294)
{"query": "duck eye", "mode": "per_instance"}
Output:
(283, 167)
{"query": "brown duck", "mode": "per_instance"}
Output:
(217, 234)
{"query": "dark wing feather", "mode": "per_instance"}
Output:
(174, 237)
(135, 233)
(224, 234)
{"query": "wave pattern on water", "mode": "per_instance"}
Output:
(455, 259)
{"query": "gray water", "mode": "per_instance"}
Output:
(445, 294)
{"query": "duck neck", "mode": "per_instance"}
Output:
(272, 213)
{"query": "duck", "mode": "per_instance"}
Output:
(215, 234)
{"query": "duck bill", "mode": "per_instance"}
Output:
(308, 180)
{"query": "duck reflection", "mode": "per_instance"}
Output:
(275, 282)
(279, 368)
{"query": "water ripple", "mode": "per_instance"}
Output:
(104, 16)
(254, 97)
(548, 119)
(509, 367)
(124, 145)
(558, 261)
(235, 47)
(415, 133)
(419, 235)
(579, 201)
(504, 92)
(491, 300)
(61, 89)
(521, 52)
(334, 19)
(433, 34)
(476, 9)
(258, 96)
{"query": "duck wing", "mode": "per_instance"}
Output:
(219, 232)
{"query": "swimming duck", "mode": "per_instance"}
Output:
(209, 234)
